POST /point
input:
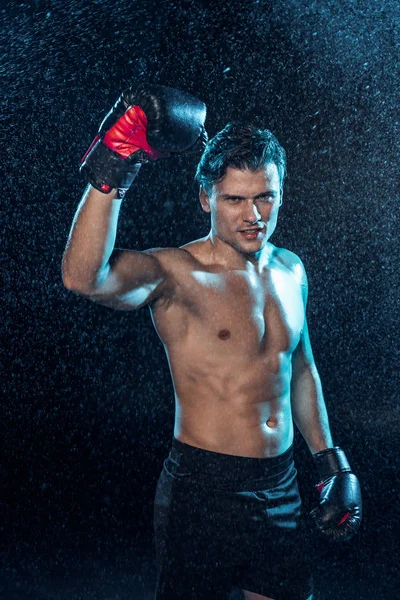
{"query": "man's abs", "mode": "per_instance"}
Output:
(244, 411)
(233, 435)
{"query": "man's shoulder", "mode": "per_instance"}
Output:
(293, 262)
(289, 258)
(178, 253)
(172, 258)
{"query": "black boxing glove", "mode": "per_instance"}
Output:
(338, 516)
(150, 123)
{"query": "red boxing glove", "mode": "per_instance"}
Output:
(128, 135)
(173, 120)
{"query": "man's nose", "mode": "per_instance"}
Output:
(251, 213)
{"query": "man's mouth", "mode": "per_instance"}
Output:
(251, 234)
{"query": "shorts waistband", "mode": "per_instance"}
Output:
(189, 458)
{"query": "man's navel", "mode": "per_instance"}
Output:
(224, 334)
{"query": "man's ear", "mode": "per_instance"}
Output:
(204, 200)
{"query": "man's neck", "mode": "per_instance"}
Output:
(229, 257)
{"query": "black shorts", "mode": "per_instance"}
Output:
(222, 521)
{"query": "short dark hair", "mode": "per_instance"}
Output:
(241, 146)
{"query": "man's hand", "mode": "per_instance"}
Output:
(338, 516)
(144, 125)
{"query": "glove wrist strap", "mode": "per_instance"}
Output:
(105, 170)
(330, 462)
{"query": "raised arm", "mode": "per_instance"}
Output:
(123, 279)
(144, 125)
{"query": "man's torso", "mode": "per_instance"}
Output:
(229, 336)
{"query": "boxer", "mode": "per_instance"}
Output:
(230, 310)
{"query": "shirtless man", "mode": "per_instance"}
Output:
(230, 309)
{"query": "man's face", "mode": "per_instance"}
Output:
(244, 207)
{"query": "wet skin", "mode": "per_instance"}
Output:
(231, 321)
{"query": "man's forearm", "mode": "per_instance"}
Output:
(309, 410)
(91, 239)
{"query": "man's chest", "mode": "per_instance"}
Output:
(241, 308)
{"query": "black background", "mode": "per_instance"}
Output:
(87, 401)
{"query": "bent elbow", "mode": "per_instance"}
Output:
(73, 286)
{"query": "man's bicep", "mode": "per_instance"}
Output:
(302, 356)
(131, 280)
